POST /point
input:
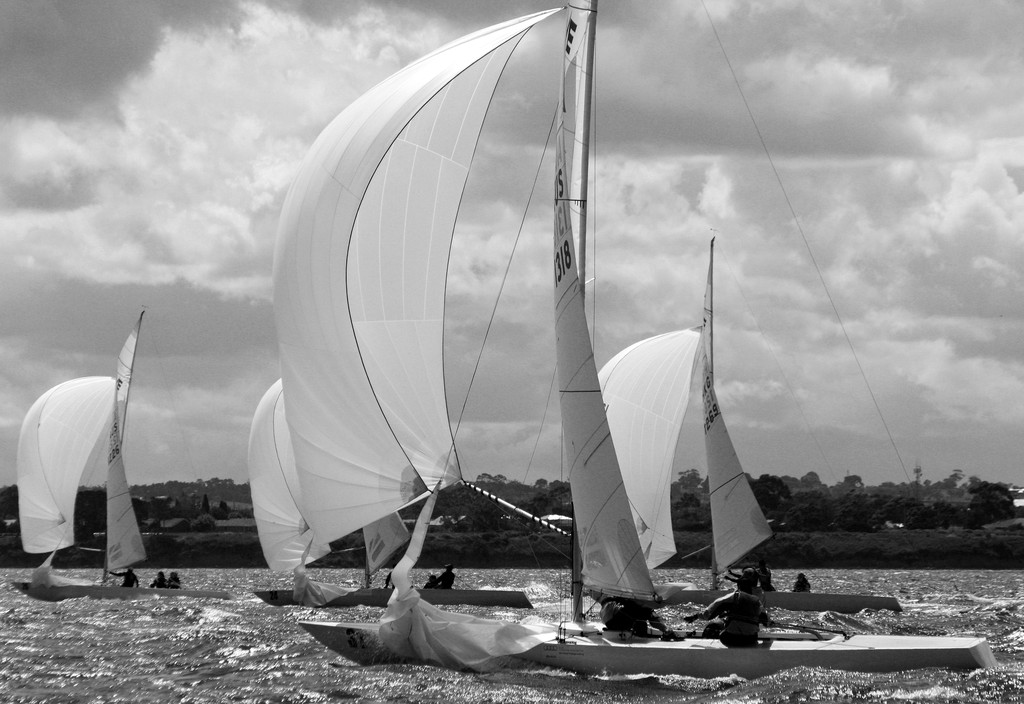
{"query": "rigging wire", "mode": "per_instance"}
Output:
(782, 372)
(152, 337)
(807, 245)
(504, 279)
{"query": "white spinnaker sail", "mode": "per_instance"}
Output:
(124, 541)
(285, 537)
(647, 389)
(359, 280)
(612, 560)
(737, 523)
(64, 435)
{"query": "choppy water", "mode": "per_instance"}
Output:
(182, 651)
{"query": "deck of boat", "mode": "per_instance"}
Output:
(796, 601)
(592, 650)
(439, 597)
(78, 591)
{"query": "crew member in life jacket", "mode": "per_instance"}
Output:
(621, 614)
(735, 618)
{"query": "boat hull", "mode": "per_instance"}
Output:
(613, 652)
(797, 601)
(439, 597)
(78, 591)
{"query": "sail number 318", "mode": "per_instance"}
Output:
(563, 260)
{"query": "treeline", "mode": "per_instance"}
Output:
(802, 504)
(170, 506)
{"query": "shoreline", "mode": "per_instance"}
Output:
(926, 549)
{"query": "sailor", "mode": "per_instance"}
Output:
(431, 582)
(160, 582)
(174, 582)
(801, 584)
(764, 576)
(130, 580)
(620, 614)
(447, 578)
(735, 618)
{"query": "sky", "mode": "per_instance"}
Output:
(861, 166)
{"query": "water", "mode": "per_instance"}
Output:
(184, 651)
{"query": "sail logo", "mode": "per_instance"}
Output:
(570, 36)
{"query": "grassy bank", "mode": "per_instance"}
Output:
(962, 549)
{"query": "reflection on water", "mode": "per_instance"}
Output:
(244, 651)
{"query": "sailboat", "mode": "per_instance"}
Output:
(72, 430)
(647, 389)
(360, 340)
(289, 544)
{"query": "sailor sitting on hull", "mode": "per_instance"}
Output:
(735, 619)
(619, 614)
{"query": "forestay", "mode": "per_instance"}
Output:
(359, 281)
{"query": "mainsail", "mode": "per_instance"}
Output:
(737, 522)
(612, 559)
(359, 281)
(647, 389)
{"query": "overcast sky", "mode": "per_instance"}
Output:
(146, 148)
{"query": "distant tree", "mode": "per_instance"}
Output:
(203, 523)
(989, 503)
(851, 482)
(541, 484)
(771, 492)
(809, 511)
(206, 505)
(90, 512)
(689, 481)
(854, 513)
(811, 481)
(9, 501)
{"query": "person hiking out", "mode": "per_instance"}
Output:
(130, 580)
(447, 578)
(620, 614)
(160, 582)
(735, 618)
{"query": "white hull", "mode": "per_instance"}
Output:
(78, 591)
(379, 597)
(597, 652)
(797, 601)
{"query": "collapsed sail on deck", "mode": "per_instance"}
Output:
(359, 281)
(647, 389)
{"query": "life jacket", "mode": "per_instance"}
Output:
(744, 614)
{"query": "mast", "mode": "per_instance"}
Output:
(583, 141)
(709, 330)
(570, 198)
